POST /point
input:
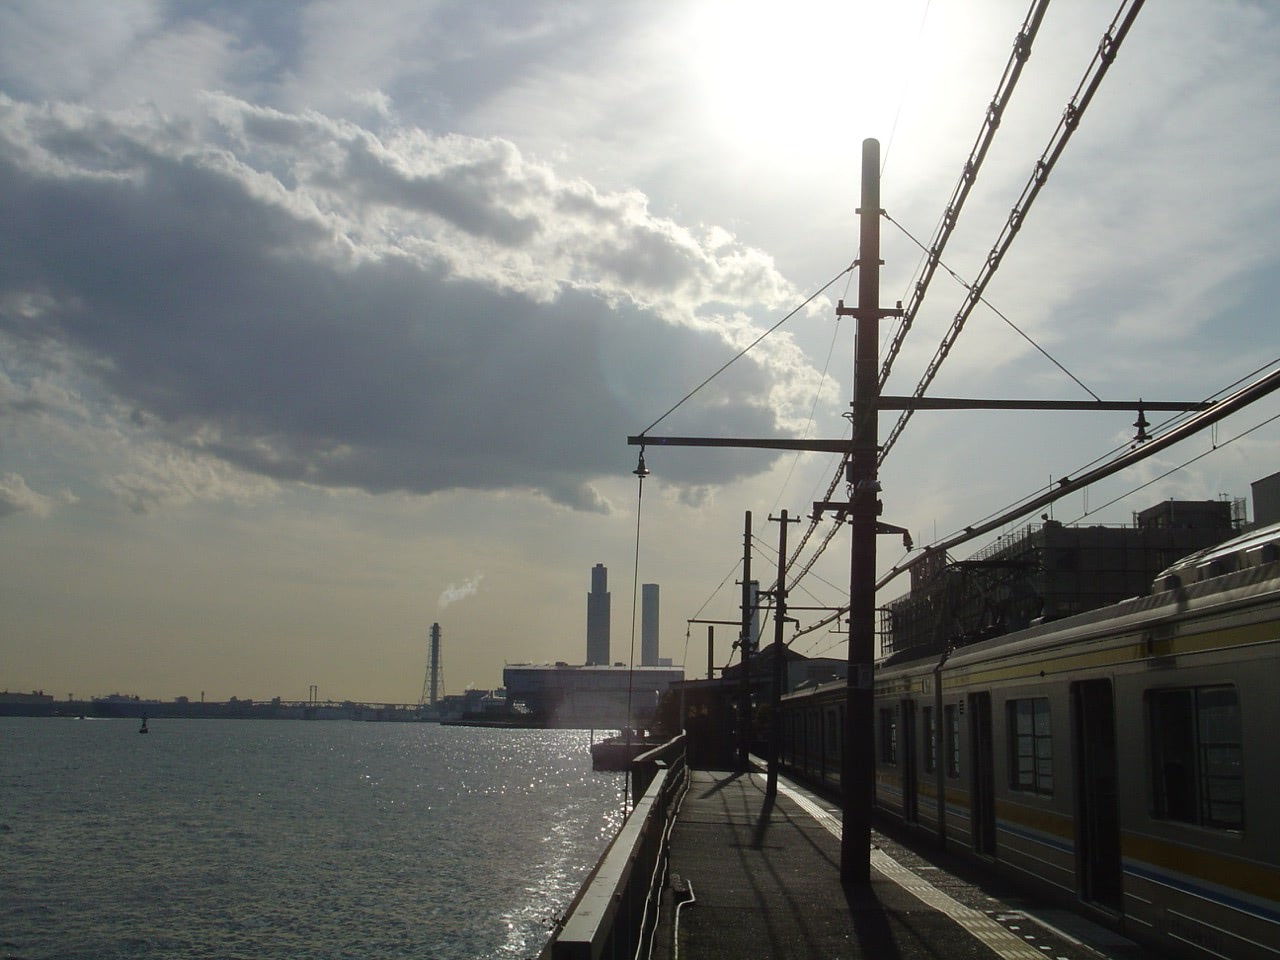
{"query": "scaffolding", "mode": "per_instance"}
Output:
(1047, 571)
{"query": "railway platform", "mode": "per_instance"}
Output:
(749, 878)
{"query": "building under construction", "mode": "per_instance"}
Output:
(1046, 571)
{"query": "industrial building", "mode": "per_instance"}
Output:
(583, 697)
(598, 614)
(649, 625)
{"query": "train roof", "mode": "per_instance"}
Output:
(1258, 546)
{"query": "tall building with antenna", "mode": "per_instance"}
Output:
(433, 680)
(649, 625)
(598, 617)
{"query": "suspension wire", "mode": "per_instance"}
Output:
(1004, 92)
(705, 604)
(947, 222)
(1071, 116)
(893, 128)
(1186, 463)
(1234, 397)
(749, 347)
(999, 313)
(831, 534)
(712, 596)
(641, 472)
(835, 334)
(813, 525)
(1123, 448)
(1234, 402)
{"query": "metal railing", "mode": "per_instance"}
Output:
(616, 911)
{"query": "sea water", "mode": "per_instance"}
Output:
(274, 838)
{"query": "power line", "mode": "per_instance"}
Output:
(1067, 125)
(969, 174)
(1075, 109)
(1186, 463)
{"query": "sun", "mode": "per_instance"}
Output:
(788, 79)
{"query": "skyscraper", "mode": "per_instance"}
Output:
(598, 616)
(649, 625)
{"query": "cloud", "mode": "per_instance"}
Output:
(301, 299)
(455, 592)
(159, 475)
(17, 497)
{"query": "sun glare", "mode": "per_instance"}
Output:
(805, 75)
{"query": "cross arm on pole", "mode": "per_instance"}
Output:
(965, 403)
(765, 443)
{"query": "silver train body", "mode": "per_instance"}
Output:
(1123, 759)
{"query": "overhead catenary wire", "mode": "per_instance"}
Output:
(1186, 463)
(817, 395)
(1203, 419)
(1067, 125)
(1237, 400)
(1121, 449)
(969, 174)
(1071, 117)
(1093, 76)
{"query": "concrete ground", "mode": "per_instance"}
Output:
(754, 879)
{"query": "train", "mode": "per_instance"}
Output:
(1123, 760)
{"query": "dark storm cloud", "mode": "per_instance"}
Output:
(269, 327)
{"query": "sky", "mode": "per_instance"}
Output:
(321, 322)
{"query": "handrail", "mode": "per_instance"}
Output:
(645, 766)
(610, 914)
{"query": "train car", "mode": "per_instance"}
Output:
(1119, 759)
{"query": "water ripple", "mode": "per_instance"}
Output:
(275, 839)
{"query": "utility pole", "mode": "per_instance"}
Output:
(779, 621)
(711, 652)
(744, 650)
(863, 508)
(858, 769)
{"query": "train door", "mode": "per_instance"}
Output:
(909, 761)
(1098, 867)
(984, 774)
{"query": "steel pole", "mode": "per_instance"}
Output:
(775, 700)
(857, 776)
(744, 650)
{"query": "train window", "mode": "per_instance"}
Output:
(1030, 746)
(889, 736)
(1197, 766)
(930, 734)
(951, 730)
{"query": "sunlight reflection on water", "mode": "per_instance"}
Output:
(269, 839)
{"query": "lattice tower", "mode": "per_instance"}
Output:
(433, 680)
